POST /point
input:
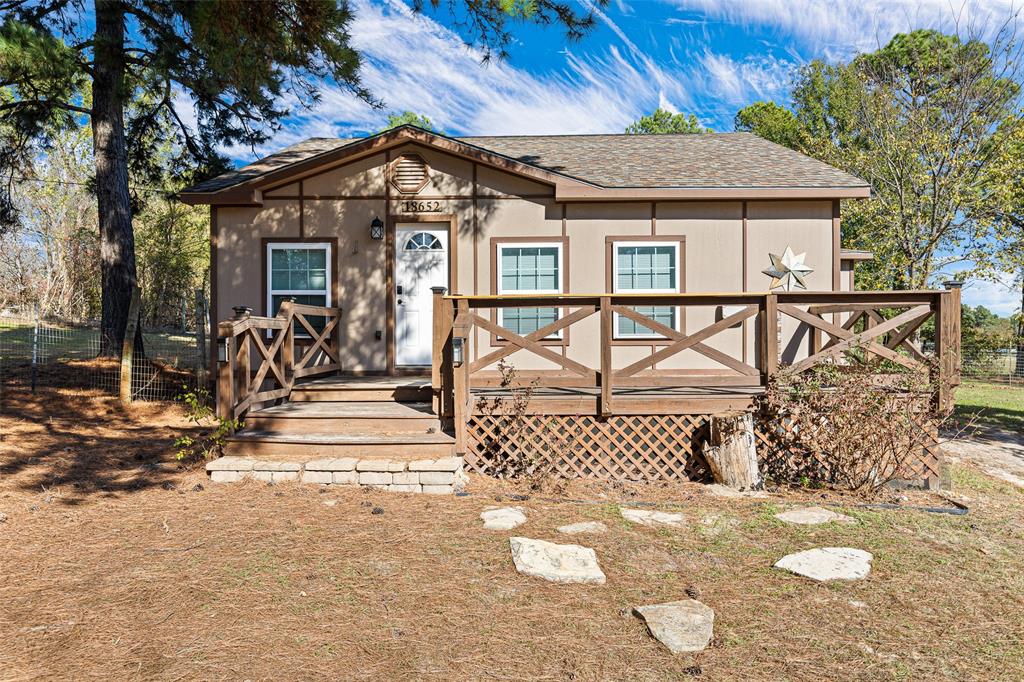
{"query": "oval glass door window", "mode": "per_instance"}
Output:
(423, 241)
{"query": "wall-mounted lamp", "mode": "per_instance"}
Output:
(457, 350)
(222, 350)
(377, 229)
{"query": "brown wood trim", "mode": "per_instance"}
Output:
(744, 275)
(492, 314)
(836, 249)
(452, 221)
(302, 212)
(609, 284)
(264, 267)
(837, 264)
(212, 312)
(389, 277)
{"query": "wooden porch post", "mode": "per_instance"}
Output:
(947, 344)
(441, 333)
(606, 356)
(461, 330)
(225, 372)
(769, 337)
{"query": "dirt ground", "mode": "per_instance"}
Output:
(115, 564)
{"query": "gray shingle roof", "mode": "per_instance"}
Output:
(712, 160)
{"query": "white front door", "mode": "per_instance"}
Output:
(421, 262)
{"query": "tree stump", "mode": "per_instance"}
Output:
(730, 451)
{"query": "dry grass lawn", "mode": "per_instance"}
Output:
(116, 565)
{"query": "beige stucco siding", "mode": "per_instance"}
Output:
(487, 205)
(360, 279)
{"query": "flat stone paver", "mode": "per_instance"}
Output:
(555, 563)
(505, 518)
(719, 490)
(583, 527)
(813, 516)
(683, 626)
(828, 563)
(653, 518)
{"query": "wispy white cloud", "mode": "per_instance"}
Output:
(839, 27)
(737, 82)
(412, 62)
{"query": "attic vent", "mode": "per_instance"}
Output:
(409, 173)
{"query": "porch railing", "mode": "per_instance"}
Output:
(259, 358)
(820, 327)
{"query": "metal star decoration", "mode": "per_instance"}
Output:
(788, 271)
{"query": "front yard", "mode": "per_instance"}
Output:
(116, 565)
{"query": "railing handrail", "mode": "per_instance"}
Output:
(238, 388)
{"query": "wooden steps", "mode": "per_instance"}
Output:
(363, 389)
(358, 418)
(290, 446)
(336, 417)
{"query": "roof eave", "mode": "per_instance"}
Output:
(589, 193)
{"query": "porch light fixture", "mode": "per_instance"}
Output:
(377, 229)
(222, 350)
(457, 350)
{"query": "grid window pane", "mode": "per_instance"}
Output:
(523, 269)
(646, 268)
(666, 315)
(525, 321)
(529, 268)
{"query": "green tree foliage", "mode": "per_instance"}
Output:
(918, 120)
(408, 118)
(235, 61)
(662, 121)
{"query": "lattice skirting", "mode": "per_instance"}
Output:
(632, 447)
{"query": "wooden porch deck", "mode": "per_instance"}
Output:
(631, 418)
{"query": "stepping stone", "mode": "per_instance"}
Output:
(556, 563)
(719, 490)
(682, 626)
(812, 516)
(653, 518)
(828, 563)
(583, 527)
(505, 518)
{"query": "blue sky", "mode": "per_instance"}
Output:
(707, 57)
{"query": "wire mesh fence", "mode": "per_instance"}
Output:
(1004, 365)
(37, 351)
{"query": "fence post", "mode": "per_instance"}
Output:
(203, 358)
(128, 346)
(35, 349)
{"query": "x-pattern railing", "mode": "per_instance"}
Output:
(864, 326)
(261, 357)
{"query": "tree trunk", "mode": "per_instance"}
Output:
(117, 240)
(730, 451)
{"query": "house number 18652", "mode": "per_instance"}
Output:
(421, 207)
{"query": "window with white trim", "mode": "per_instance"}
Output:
(529, 269)
(646, 268)
(300, 271)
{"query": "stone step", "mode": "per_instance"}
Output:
(353, 418)
(312, 445)
(427, 475)
(363, 389)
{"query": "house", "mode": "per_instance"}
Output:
(623, 278)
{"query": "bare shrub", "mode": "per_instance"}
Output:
(518, 450)
(847, 426)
